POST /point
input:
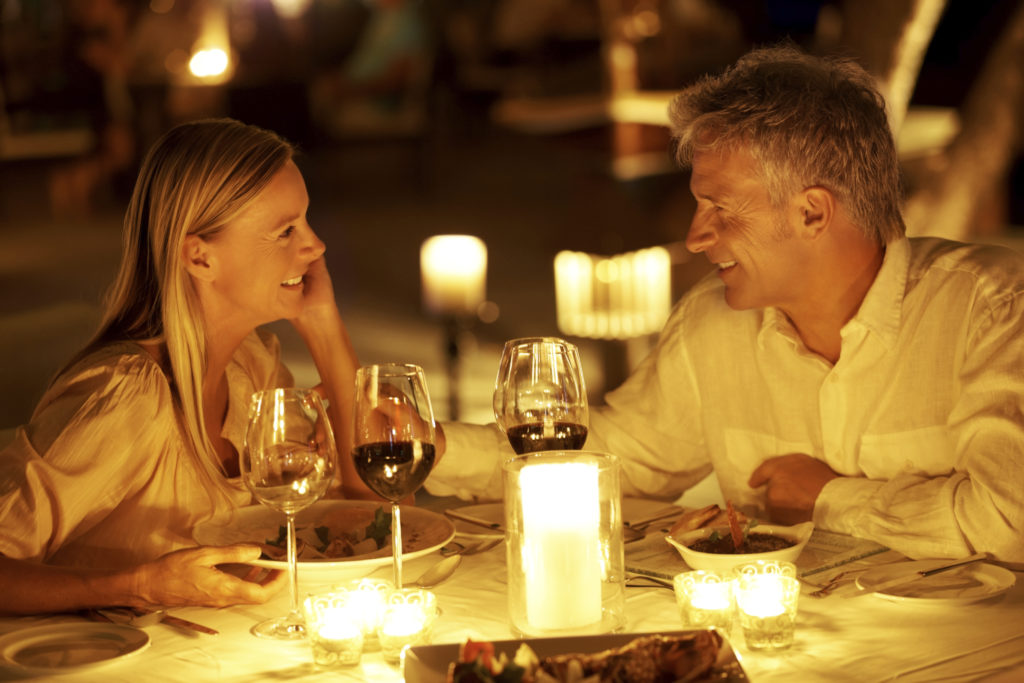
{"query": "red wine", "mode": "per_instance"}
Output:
(564, 436)
(394, 469)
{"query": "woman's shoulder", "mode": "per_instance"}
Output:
(120, 371)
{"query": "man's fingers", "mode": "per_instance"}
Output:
(762, 473)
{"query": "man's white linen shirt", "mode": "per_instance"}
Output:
(922, 415)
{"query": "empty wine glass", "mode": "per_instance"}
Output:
(540, 400)
(393, 449)
(288, 463)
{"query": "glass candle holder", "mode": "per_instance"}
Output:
(408, 618)
(367, 598)
(767, 593)
(705, 599)
(564, 543)
(333, 629)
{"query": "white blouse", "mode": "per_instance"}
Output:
(101, 475)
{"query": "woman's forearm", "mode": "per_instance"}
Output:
(335, 359)
(33, 588)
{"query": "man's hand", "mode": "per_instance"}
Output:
(793, 484)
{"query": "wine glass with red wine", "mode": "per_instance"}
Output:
(540, 400)
(393, 449)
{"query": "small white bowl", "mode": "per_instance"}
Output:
(721, 562)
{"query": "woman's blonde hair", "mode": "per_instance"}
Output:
(808, 121)
(194, 180)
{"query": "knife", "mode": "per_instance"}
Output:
(907, 578)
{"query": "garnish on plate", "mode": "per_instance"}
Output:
(334, 537)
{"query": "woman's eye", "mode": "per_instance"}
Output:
(288, 231)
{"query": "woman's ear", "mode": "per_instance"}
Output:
(817, 210)
(198, 258)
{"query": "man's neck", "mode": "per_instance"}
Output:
(835, 297)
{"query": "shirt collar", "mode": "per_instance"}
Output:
(882, 307)
(879, 312)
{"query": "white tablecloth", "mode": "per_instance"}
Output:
(837, 639)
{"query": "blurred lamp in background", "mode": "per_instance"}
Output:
(453, 272)
(613, 297)
(626, 297)
(210, 62)
(453, 269)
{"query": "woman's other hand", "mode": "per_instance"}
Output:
(193, 577)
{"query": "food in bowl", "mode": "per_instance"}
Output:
(696, 558)
(753, 542)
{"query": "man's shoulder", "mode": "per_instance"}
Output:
(992, 268)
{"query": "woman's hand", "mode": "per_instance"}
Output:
(318, 298)
(191, 577)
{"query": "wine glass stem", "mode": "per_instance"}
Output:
(396, 542)
(293, 575)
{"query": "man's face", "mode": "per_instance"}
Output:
(754, 245)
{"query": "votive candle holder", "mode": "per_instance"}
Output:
(767, 595)
(368, 598)
(408, 620)
(333, 629)
(705, 599)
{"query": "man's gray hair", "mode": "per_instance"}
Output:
(809, 121)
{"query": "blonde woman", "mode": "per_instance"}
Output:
(137, 439)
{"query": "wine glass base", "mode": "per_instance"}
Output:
(280, 628)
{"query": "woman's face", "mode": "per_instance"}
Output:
(262, 256)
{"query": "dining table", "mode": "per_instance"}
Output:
(845, 634)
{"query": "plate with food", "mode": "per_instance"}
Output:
(675, 655)
(720, 548)
(335, 539)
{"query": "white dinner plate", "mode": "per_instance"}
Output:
(423, 532)
(493, 513)
(429, 663)
(61, 648)
(969, 583)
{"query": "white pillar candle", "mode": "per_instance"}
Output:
(561, 546)
(453, 269)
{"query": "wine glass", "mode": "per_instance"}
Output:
(393, 449)
(288, 463)
(540, 400)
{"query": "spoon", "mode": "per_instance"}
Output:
(438, 573)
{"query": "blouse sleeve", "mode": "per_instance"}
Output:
(92, 443)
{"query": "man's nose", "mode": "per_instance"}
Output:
(701, 235)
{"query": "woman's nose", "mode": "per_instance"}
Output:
(314, 245)
(701, 234)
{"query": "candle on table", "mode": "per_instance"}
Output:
(561, 548)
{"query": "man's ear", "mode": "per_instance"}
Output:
(198, 258)
(817, 207)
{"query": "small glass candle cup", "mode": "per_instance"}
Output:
(333, 629)
(408, 619)
(767, 593)
(368, 598)
(705, 599)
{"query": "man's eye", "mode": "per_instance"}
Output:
(288, 231)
